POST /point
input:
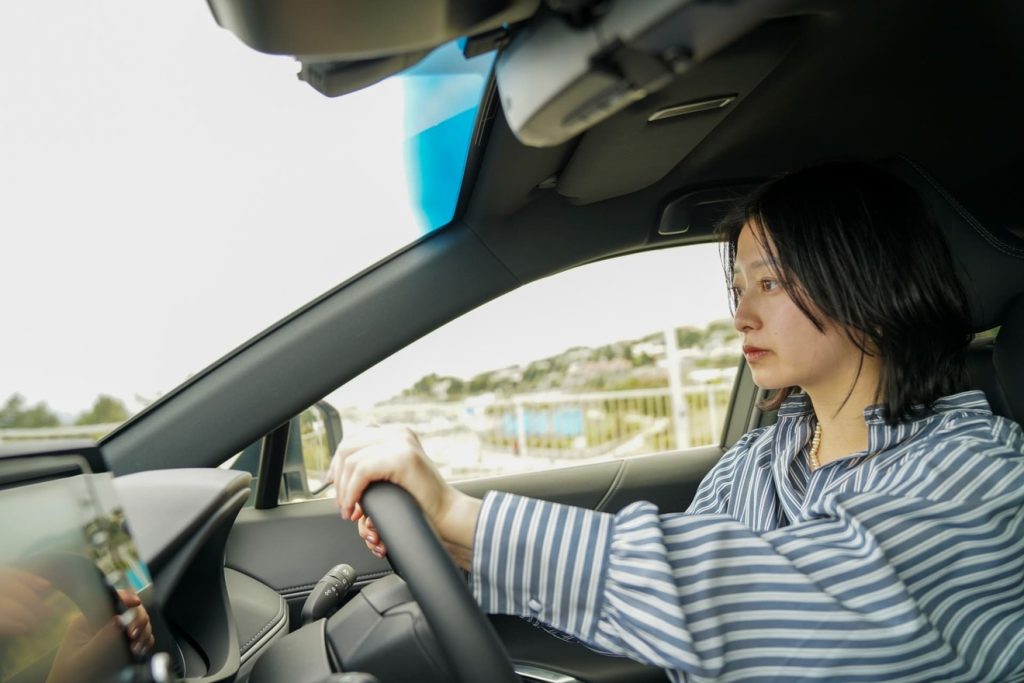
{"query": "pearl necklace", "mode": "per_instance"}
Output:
(815, 445)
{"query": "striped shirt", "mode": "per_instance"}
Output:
(904, 562)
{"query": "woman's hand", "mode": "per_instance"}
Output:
(395, 454)
(22, 602)
(368, 532)
(88, 653)
(138, 626)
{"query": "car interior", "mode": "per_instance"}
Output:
(607, 128)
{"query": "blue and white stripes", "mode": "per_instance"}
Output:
(905, 562)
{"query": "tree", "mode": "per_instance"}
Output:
(642, 359)
(687, 337)
(104, 410)
(725, 327)
(15, 413)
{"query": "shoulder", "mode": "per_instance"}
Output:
(965, 452)
(966, 421)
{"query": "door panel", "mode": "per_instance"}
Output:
(292, 546)
(533, 646)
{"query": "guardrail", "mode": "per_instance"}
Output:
(610, 423)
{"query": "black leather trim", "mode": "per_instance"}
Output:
(259, 611)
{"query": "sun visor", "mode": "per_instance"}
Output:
(557, 79)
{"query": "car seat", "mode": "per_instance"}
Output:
(990, 259)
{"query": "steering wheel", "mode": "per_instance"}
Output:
(471, 644)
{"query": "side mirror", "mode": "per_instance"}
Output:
(313, 436)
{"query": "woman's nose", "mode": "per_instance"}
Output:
(745, 318)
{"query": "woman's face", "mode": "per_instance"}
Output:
(782, 346)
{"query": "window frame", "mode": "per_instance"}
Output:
(740, 414)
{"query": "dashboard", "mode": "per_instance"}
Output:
(105, 579)
(218, 620)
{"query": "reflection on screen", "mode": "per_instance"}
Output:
(69, 578)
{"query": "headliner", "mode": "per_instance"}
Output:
(937, 81)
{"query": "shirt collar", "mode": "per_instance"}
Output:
(883, 436)
(796, 405)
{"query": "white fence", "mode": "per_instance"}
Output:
(483, 436)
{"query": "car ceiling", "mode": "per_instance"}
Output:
(939, 82)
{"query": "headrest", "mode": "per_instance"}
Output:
(990, 258)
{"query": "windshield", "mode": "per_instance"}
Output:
(170, 193)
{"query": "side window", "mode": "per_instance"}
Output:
(309, 446)
(623, 357)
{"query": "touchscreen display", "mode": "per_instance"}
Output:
(70, 576)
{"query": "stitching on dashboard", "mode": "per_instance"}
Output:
(303, 586)
(266, 627)
(614, 486)
(359, 579)
(374, 575)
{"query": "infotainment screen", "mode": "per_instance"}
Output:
(70, 574)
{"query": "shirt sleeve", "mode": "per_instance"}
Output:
(907, 583)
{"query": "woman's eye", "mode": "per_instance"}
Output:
(769, 285)
(737, 293)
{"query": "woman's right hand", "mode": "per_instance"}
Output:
(395, 454)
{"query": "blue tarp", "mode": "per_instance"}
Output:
(564, 422)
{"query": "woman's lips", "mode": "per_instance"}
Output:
(754, 354)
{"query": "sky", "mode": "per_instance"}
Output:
(169, 192)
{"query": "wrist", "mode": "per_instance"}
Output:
(459, 521)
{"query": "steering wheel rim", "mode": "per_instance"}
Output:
(469, 642)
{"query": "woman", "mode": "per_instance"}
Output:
(875, 532)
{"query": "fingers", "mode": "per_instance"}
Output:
(141, 635)
(16, 617)
(377, 462)
(18, 582)
(369, 534)
(392, 454)
(138, 627)
(128, 598)
(360, 516)
(22, 606)
(367, 438)
(25, 581)
(370, 436)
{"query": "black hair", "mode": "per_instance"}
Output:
(857, 245)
